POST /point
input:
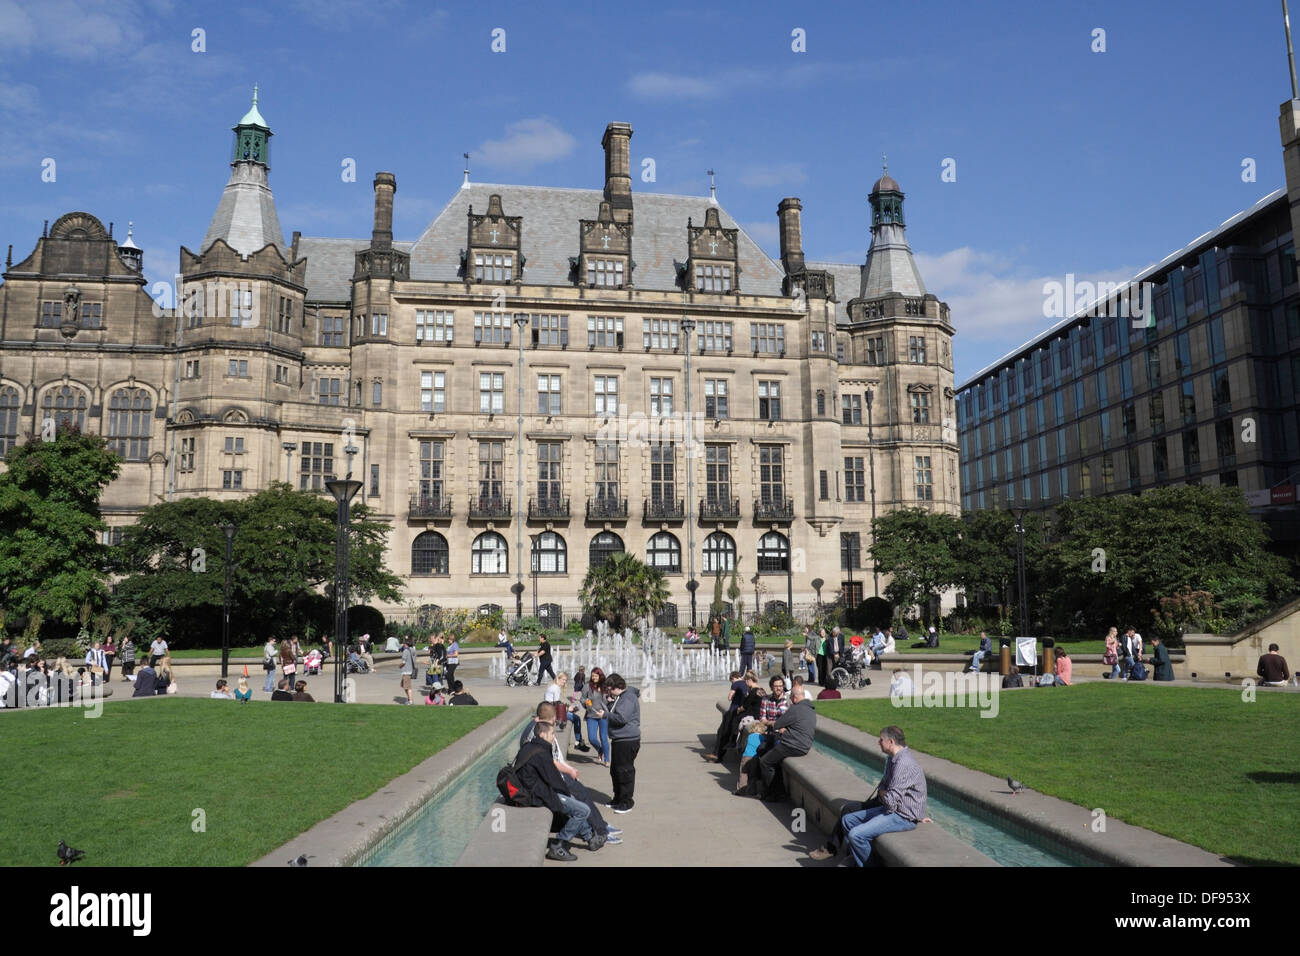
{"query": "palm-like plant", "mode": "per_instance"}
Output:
(623, 589)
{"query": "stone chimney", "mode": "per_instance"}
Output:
(385, 186)
(789, 214)
(618, 173)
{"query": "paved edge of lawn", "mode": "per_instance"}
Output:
(1057, 821)
(345, 837)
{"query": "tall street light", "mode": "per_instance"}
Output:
(536, 555)
(343, 490)
(871, 463)
(1019, 514)
(688, 326)
(521, 322)
(229, 530)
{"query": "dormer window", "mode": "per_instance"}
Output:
(712, 278)
(605, 272)
(489, 267)
(605, 249)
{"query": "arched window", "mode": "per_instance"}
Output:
(719, 552)
(128, 423)
(550, 615)
(550, 554)
(603, 547)
(665, 553)
(773, 553)
(666, 616)
(67, 406)
(9, 405)
(489, 554)
(429, 555)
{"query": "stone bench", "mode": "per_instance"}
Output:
(509, 836)
(822, 787)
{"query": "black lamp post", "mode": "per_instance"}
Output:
(754, 581)
(871, 463)
(1019, 514)
(536, 560)
(343, 490)
(229, 529)
(692, 585)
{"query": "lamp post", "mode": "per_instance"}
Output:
(688, 326)
(1019, 514)
(521, 322)
(754, 581)
(536, 556)
(343, 490)
(871, 464)
(289, 448)
(229, 529)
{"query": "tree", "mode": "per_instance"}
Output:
(986, 553)
(716, 608)
(284, 555)
(623, 589)
(51, 558)
(1112, 559)
(916, 548)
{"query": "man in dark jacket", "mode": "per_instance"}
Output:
(834, 648)
(624, 741)
(794, 731)
(746, 650)
(546, 787)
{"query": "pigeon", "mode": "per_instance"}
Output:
(301, 861)
(69, 855)
(1015, 785)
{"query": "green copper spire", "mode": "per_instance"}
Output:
(252, 138)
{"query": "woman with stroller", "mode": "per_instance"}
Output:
(595, 702)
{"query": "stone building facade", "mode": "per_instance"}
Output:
(541, 378)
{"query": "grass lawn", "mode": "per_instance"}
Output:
(123, 786)
(1199, 765)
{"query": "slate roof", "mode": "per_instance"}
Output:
(246, 216)
(330, 264)
(890, 267)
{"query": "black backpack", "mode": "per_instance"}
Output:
(512, 788)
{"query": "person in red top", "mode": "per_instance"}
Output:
(831, 691)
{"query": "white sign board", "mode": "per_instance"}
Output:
(1026, 652)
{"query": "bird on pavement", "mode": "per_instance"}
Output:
(1015, 785)
(68, 854)
(301, 861)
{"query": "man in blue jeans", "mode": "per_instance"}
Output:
(537, 773)
(899, 803)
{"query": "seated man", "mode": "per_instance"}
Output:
(793, 732)
(985, 648)
(899, 803)
(222, 692)
(547, 788)
(146, 680)
(459, 698)
(1272, 669)
(282, 691)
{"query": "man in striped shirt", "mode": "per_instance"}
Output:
(899, 803)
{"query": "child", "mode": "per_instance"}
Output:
(435, 697)
(748, 757)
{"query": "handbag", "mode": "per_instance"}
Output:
(291, 668)
(268, 663)
(561, 712)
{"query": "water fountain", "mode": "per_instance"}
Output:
(648, 656)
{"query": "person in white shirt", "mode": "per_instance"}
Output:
(157, 651)
(222, 692)
(95, 659)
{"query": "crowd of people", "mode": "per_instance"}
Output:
(540, 776)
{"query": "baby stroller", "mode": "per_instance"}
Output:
(521, 671)
(356, 665)
(852, 668)
(312, 663)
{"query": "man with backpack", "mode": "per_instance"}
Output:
(541, 785)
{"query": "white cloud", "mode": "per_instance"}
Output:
(87, 31)
(993, 300)
(680, 86)
(526, 143)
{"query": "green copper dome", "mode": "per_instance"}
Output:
(253, 117)
(252, 138)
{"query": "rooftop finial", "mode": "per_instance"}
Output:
(713, 189)
(255, 94)
(465, 184)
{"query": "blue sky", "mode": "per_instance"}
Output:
(1067, 161)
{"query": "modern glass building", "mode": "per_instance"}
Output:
(1196, 386)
